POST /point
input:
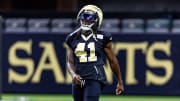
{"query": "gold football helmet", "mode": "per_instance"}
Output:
(90, 17)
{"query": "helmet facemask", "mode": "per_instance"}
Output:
(88, 19)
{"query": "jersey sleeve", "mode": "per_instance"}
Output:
(68, 41)
(107, 38)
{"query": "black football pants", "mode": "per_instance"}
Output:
(89, 90)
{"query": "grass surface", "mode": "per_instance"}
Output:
(40, 97)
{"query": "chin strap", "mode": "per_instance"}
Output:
(86, 27)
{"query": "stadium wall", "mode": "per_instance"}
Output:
(35, 63)
(1, 20)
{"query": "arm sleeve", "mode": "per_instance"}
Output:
(107, 38)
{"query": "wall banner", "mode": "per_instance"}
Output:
(35, 63)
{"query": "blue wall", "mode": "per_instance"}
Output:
(35, 63)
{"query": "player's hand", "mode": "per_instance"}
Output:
(119, 88)
(77, 79)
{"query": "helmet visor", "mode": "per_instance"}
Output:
(89, 17)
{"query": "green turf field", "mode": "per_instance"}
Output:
(33, 97)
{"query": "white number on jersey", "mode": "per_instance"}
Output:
(82, 54)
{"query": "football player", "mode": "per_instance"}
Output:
(85, 56)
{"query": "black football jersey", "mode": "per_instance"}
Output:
(89, 52)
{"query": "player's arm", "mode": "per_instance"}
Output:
(115, 67)
(70, 66)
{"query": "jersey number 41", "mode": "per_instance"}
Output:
(82, 54)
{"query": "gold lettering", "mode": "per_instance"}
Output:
(53, 64)
(130, 48)
(18, 62)
(167, 65)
